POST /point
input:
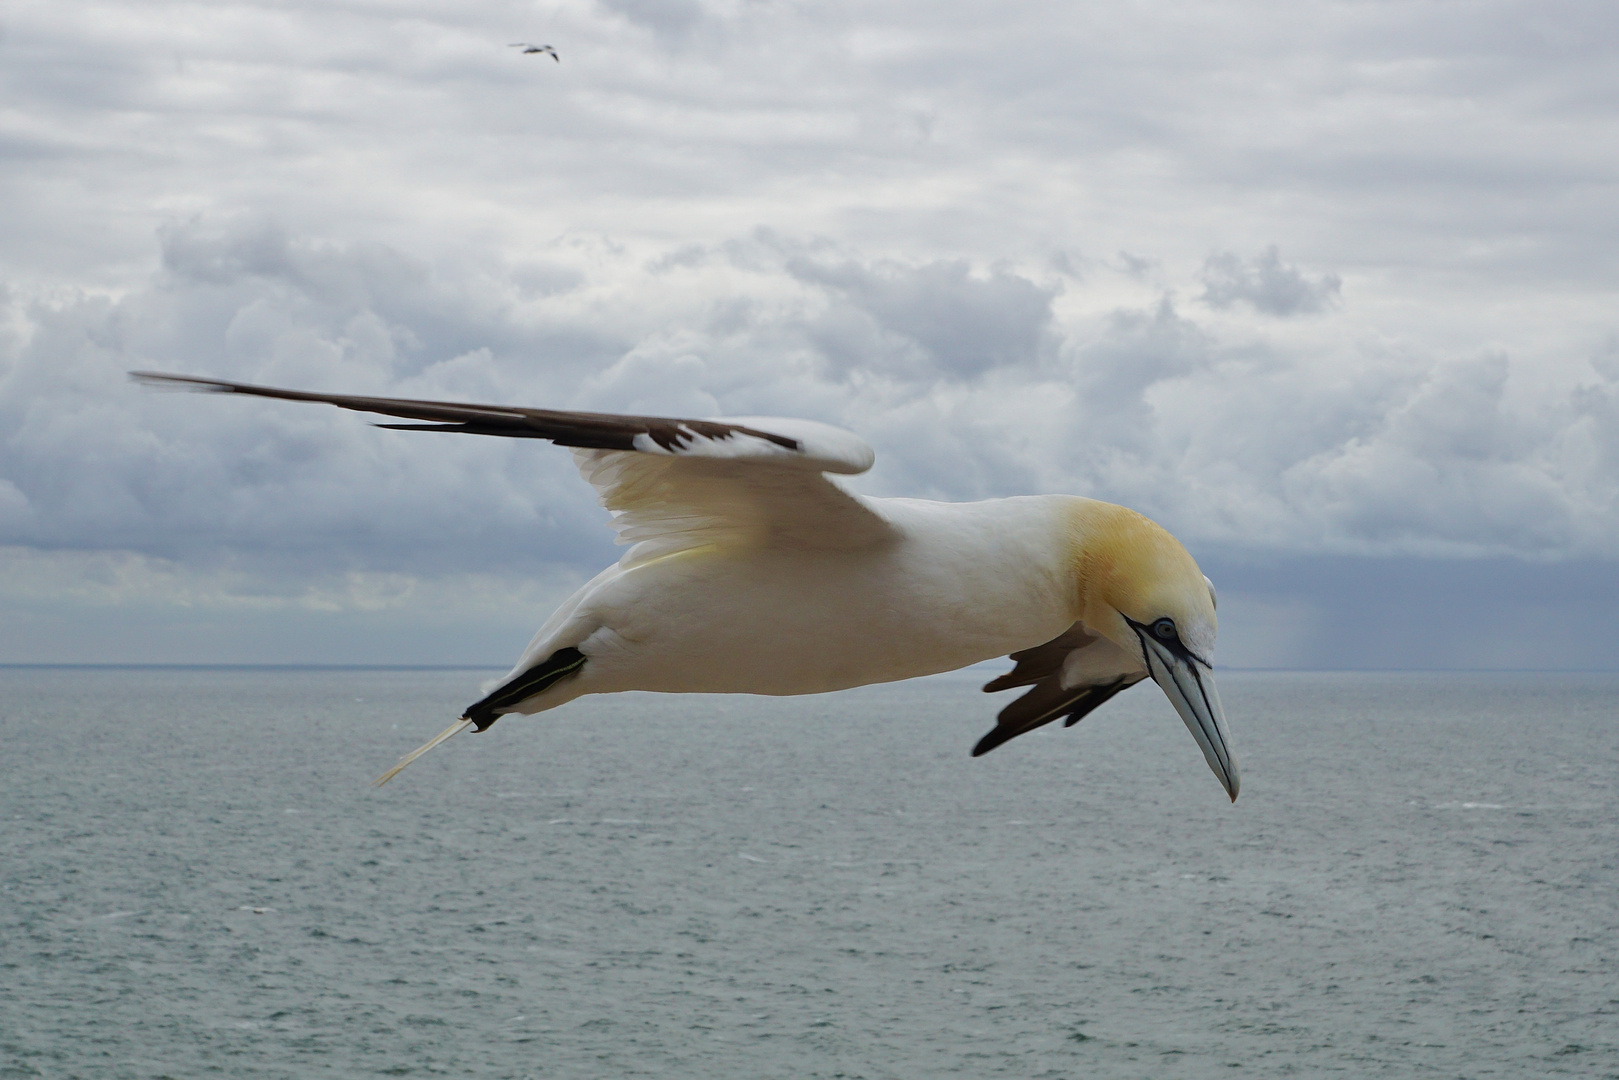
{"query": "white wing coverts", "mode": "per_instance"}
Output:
(736, 491)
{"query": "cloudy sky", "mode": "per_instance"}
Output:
(1328, 289)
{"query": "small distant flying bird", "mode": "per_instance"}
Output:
(750, 571)
(527, 48)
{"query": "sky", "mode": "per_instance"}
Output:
(1325, 288)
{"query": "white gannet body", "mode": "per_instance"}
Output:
(751, 571)
(952, 584)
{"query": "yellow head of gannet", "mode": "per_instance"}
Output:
(1140, 589)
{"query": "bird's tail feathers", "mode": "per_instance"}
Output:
(454, 729)
(536, 680)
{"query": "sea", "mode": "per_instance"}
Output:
(1420, 879)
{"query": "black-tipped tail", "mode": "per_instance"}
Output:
(537, 679)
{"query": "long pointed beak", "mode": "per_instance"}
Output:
(1189, 685)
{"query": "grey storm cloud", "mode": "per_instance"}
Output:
(1136, 350)
(667, 18)
(93, 463)
(965, 380)
(1451, 464)
(945, 318)
(1264, 282)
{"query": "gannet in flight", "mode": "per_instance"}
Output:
(751, 571)
(527, 48)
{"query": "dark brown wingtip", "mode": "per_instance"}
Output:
(163, 381)
(589, 431)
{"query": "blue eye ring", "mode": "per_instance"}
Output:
(1164, 630)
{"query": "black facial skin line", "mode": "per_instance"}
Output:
(1179, 649)
(1176, 645)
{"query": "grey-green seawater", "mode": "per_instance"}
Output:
(1420, 879)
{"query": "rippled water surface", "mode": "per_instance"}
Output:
(1420, 879)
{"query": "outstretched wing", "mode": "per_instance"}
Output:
(671, 484)
(1071, 675)
(663, 504)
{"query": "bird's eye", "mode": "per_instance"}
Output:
(1164, 630)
